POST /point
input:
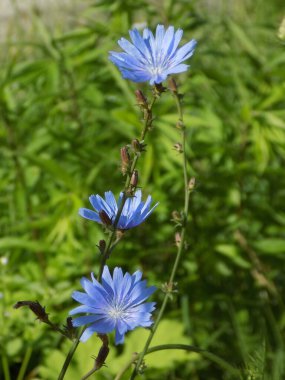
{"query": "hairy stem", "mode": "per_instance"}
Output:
(187, 192)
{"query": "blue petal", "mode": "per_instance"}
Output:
(123, 292)
(121, 327)
(89, 214)
(96, 292)
(177, 38)
(118, 281)
(83, 298)
(177, 69)
(146, 307)
(159, 34)
(94, 202)
(99, 204)
(131, 49)
(136, 76)
(137, 198)
(83, 309)
(124, 60)
(110, 199)
(119, 338)
(184, 52)
(107, 281)
(139, 43)
(102, 326)
(145, 215)
(103, 206)
(140, 293)
(81, 321)
(168, 40)
(137, 276)
(138, 319)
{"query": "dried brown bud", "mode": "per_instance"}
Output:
(102, 356)
(178, 147)
(159, 89)
(177, 239)
(120, 234)
(191, 183)
(169, 287)
(134, 178)
(125, 160)
(102, 246)
(141, 99)
(36, 308)
(103, 352)
(172, 85)
(136, 146)
(176, 216)
(180, 125)
(69, 324)
(69, 328)
(105, 218)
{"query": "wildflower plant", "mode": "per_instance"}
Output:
(115, 300)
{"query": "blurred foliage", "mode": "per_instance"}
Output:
(66, 111)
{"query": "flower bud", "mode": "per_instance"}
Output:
(69, 328)
(136, 146)
(180, 125)
(159, 89)
(177, 239)
(105, 218)
(103, 352)
(172, 85)
(281, 31)
(125, 160)
(102, 246)
(119, 234)
(191, 183)
(178, 147)
(134, 179)
(36, 308)
(176, 216)
(141, 99)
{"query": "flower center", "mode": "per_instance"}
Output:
(156, 70)
(116, 312)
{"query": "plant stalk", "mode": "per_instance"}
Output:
(187, 192)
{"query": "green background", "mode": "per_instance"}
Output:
(65, 114)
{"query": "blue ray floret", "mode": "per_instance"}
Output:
(135, 211)
(152, 58)
(116, 304)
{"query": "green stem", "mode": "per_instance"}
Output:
(182, 240)
(69, 357)
(206, 354)
(25, 363)
(110, 245)
(5, 366)
(127, 366)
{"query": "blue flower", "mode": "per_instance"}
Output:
(151, 58)
(135, 211)
(116, 304)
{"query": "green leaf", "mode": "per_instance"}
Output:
(232, 253)
(274, 246)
